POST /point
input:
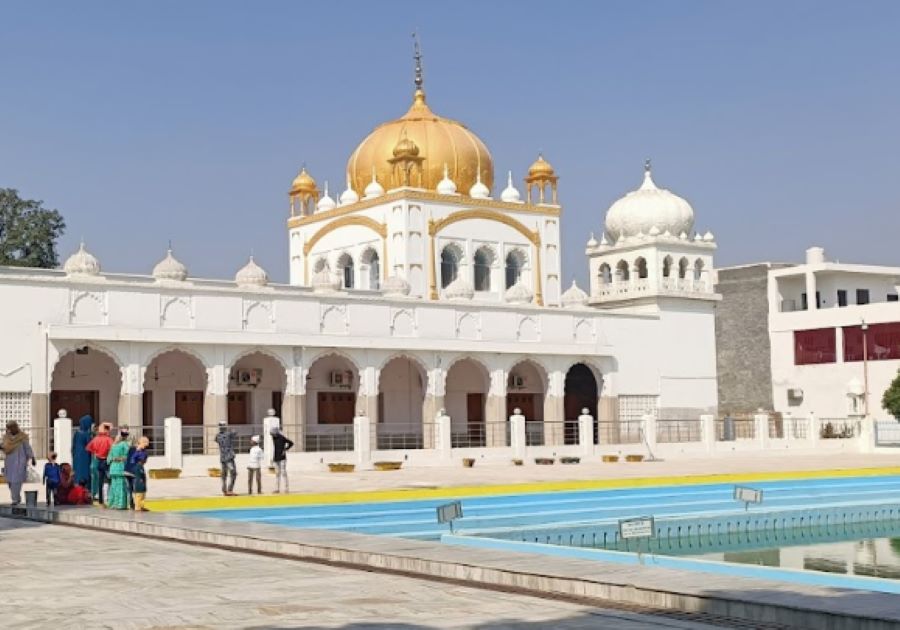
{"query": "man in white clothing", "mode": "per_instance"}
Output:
(254, 466)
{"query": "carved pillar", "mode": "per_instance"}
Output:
(433, 405)
(131, 408)
(495, 410)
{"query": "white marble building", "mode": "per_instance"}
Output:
(415, 290)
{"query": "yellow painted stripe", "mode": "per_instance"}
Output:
(411, 494)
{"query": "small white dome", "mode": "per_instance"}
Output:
(395, 286)
(446, 186)
(698, 237)
(459, 289)
(708, 237)
(654, 231)
(855, 388)
(574, 297)
(326, 202)
(479, 190)
(519, 294)
(592, 242)
(683, 236)
(326, 282)
(647, 207)
(603, 240)
(251, 275)
(374, 189)
(82, 263)
(170, 268)
(349, 195)
(510, 194)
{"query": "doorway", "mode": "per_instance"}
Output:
(189, 407)
(237, 408)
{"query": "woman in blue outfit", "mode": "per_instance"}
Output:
(81, 459)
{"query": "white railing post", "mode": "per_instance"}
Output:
(708, 431)
(362, 439)
(866, 439)
(62, 438)
(517, 433)
(172, 442)
(761, 420)
(586, 432)
(443, 436)
(271, 421)
(648, 424)
(787, 425)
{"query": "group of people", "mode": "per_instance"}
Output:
(98, 460)
(227, 439)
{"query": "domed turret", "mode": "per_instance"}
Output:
(510, 194)
(479, 190)
(374, 189)
(446, 186)
(349, 195)
(326, 202)
(251, 275)
(540, 175)
(519, 294)
(649, 209)
(304, 193)
(82, 263)
(395, 286)
(573, 297)
(326, 282)
(170, 269)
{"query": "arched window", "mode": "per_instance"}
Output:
(515, 261)
(345, 267)
(484, 258)
(622, 271)
(698, 269)
(667, 266)
(321, 265)
(682, 268)
(371, 270)
(450, 257)
(605, 274)
(640, 267)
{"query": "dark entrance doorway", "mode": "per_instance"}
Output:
(189, 407)
(76, 403)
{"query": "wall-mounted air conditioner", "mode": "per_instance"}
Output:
(343, 379)
(516, 382)
(795, 392)
(250, 377)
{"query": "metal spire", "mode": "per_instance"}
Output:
(418, 57)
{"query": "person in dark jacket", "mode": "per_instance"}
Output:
(81, 459)
(226, 439)
(281, 445)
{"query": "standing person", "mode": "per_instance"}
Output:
(18, 453)
(99, 448)
(118, 487)
(51, 478)
(140, 475)
(226, 439)
(137, 456)
(279, 457)
(81, 459)
(254, 466)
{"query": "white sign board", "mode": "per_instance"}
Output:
(636, 528)
(449, 512)
(748, 495)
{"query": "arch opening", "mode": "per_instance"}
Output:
(515, 262)
(332, 385)
(465, 399)
(581, 391)
(450, 257)
(526, 390)
(401, 395)
(483, 261)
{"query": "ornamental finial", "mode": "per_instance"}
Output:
(418, 57)
(647, 165)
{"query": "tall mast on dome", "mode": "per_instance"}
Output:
(419, 81)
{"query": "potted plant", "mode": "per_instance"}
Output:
(165, 473)
(214, 472)
(610, 459)
(569, 460)
(544, 461)
(517, 462)
(634, 458)
(388, 465)
(341, 467)
(468, 462)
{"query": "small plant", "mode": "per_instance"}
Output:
(891, 399)
(610, 459)
(544, 461)
(468, 462)
(569, 460)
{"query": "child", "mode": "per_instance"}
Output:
(51, 478)
(140, 475)
(254, 466)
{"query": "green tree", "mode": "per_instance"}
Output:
(891, 399)
(28, 231)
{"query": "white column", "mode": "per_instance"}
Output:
(271, 421)
(62, 438)
(761, 421)
(812, 430)
(517, 433)
(362, 436)
(708, 431)
(648, 424)
(811, 291)
(443, 436)
(866, 439)
(173, 442)
(586, 432)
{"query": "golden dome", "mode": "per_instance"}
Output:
(541, 169)
(303, 183)
(439, 141)
(406, 148)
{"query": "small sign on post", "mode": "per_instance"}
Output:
(748, 495)
(637, 528)
(449, 512)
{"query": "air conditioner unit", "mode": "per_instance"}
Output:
(516, 382)
(795, 392)
(342, 379)
(249, 377)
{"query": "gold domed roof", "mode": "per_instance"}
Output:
(303, 183)
(406, 148)
(541, 169)
(439, 141)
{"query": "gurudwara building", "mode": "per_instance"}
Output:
(430, 283)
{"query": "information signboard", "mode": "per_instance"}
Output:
(449, 512)
(641, 527)
(748, 495)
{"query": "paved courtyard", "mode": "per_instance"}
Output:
(63, 577)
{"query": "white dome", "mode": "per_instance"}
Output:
(349, 196)
(479, 190)
(82, 263)
(374, 189)
(395, 286)
(573, 297)
(459, 289)
(326, 282)
(169, 268)
(326, 202)
(251, 275)
(519, 294)
(510, 194)
(446, 186)
(855, 388)
(592, 242)
(649, 207)
(709, 237)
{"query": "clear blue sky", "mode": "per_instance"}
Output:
(187, 121)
